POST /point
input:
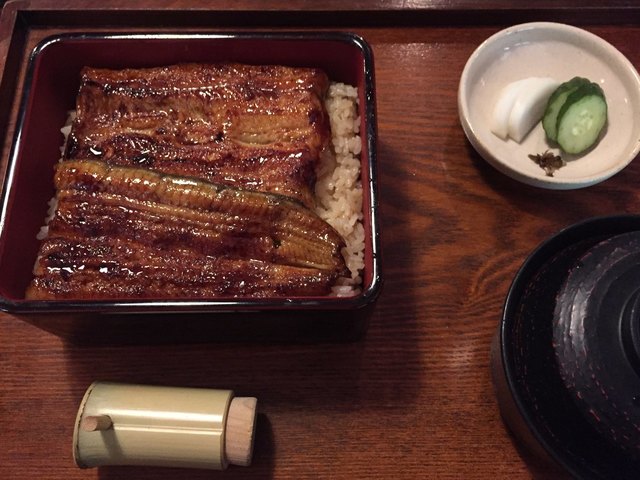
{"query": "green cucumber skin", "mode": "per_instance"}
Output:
(581, 119)
(555, 103)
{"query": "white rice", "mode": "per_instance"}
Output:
(66, 130)
(53, 202)
(339, 188)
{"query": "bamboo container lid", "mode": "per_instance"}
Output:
(241, 421)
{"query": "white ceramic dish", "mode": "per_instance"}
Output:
(561, 52)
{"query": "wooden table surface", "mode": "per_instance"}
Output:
(414, 397)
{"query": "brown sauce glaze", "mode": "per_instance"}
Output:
(191, 181)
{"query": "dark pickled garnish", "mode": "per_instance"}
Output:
(548, 162)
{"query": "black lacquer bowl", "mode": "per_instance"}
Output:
(566, 357)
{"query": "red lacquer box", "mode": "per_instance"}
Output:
(50, 89)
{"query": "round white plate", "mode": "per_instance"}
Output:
(544, 49)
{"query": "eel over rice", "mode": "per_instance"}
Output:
(191, 181)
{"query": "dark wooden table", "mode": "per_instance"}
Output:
(414, 397)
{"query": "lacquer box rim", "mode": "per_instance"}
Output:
(349, 59)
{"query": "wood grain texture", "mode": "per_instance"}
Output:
(413, 398)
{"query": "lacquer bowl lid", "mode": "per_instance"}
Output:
(596, 338)
(569, 348)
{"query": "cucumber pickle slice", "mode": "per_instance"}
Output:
(581, 118)
(555, 103)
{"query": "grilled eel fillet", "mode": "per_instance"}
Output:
(122, 232)
(255, 127)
